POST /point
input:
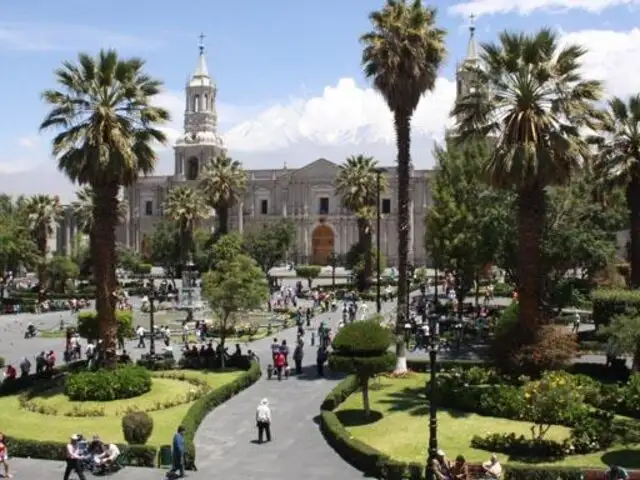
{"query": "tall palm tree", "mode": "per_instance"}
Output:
(357, 185)
(402, 55)
(223, 182)
(185, 206)
(618, 163)
(107, 127)
(43, 214)
(529, 95)
(83, 208)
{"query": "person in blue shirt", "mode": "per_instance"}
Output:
(616, 473)
(178, 451)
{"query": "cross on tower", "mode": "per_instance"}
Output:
(201, 46)
(472, 21)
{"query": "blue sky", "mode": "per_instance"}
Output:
(276, 63)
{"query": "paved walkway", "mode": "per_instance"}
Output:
(225, 442)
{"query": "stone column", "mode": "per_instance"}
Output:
(241, 217)
(306, 241)
(67, 235)
(284, 208)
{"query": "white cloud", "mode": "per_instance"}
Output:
(54, 37)
(29, 142)
(523, 7)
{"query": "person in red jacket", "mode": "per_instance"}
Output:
(279, 362)
(10, 373)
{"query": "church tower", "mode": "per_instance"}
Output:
(463, 73)
(200, 140)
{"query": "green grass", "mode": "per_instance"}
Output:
(23, 424)
(400, 429)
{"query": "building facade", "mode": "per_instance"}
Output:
(304, 195)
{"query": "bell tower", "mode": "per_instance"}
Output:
(200, 140)
(464, 75)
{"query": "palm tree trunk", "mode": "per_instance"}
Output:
(402, 123)
(364, 249)
(223, 221)
(531, 217)
(633, 201)
(103, 256)
(42, 263)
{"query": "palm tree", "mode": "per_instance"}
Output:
(618, 164)
(531, 97)
(223, 183)
(357, 185)
(43, 214)
(402, 55)
(83, 208)
(185, 206)
(107, 128)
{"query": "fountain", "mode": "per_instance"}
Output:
(190, 298)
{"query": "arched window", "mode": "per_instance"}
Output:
(192, 168)
(196, 103)
(206, 103)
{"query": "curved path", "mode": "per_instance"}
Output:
(226, 440)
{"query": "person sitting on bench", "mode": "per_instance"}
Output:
(107, 460)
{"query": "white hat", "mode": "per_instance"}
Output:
(440, 453)
(264, 401)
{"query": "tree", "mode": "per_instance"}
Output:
(362, 348)
(624, 332)
(43, 214)
(165, 248)
(186, 207)
(107, 127)
(60, 270)
(270, 244)
(357, 185)
(236, 286)
(618, 163)
(356, 260)
(223, 183)
(308, 272)
(531, 99)
(128, 258)
(402, 55)
(16, 244)
(83, 208)
(461, 226)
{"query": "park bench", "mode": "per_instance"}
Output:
(476, 471)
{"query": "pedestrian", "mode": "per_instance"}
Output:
(320, 360)
(178, 451)
(4, 456)
(298, 355)
(73, 459)
(263, 420)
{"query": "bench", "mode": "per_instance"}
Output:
(476, 471)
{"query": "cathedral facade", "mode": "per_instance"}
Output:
(304, 195)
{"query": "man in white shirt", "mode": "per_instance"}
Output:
(73, 459)
(140, 333)
(263, 420)
(108, 457)
(492, 468)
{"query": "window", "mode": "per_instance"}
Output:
(148, 208)
(386, 206)
(264, 207)
(323, 207)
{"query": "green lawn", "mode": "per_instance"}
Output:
(402, 430)
(23, 424)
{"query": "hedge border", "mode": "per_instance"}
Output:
(375, 463)
(133, 455)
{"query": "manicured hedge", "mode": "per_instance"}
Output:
(200, 408)
(11, 387)
(607, 303)
(374, 463)
(2, 363)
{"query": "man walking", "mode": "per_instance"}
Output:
(73, 459)
(263, 420)
(178, 452)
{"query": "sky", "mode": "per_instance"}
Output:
(290, 82)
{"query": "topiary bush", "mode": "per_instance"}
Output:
(88, 324)
(610, 302)
(105, 385)
(137, 427)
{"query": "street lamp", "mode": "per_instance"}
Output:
(333, 260)
(379, 172)
(151, 294)
(188, 283)
(434, 333)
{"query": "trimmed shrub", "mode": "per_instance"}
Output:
(610, 302)
(88, 324)
(137, 427)
(2, 364)
(308, 272)
(104, 385)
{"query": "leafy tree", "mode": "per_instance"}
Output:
(618, 164)
(362, 348)
(356, 259)
(60, 270)
(107, 126)
(165, 248)
(227, 248)
(624, 332)
(462, 228)
(186, 207)
(532, 99)
(203, 249)
(89, 326)
(357, 186)
(236, 286)
(270, 244)
(402, 55)
(16, 244)
(308, 272)
(128, 258)
(223, 182)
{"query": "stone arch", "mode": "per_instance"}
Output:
(196, 104)
(323, 241)
(205, 98)
(193, 168)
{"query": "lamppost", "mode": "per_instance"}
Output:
(187, 286)
(379, 173)
(333, 261)
(434, 333)
(151, 294)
